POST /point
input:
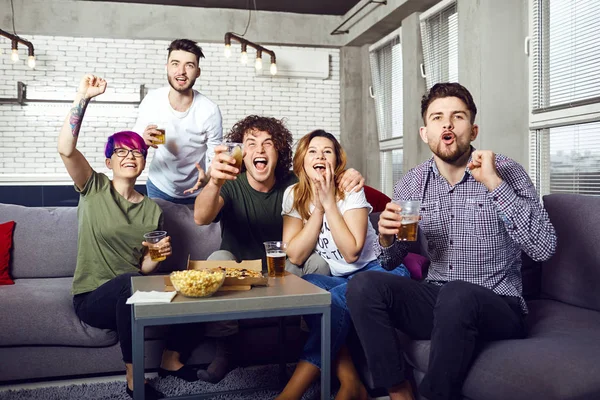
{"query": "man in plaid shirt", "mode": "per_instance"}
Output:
(479, 211)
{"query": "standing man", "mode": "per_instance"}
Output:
(192, 125)
(479, 211)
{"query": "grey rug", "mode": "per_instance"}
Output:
(240, 378)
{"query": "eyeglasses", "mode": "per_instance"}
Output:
(122, 153)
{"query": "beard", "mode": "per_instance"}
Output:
(450, 155)
(181, 89)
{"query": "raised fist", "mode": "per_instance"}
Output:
(91, 86)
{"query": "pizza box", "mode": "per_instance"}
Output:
(230, 283)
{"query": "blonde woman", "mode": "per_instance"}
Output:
(318, 217)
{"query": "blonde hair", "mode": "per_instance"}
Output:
(302, 191)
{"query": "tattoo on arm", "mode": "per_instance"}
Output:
(76, 116)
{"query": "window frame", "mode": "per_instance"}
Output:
(393, 143)
(543, 119)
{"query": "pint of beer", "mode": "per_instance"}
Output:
(275, 257)
(161, 138)
(409, 210)
(235, 150)
(153, 238)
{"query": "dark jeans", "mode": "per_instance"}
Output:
(456, 317)
(105, 308)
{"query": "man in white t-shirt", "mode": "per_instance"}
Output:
(192, 124)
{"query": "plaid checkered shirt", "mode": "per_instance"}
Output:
(475, 235)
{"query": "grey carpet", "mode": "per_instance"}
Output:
(240, 378)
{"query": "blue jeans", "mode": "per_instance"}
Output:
(156, 193)
(340, 317)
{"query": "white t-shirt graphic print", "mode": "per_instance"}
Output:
(326, 246)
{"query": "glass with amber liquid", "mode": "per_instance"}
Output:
(152, 238)
(235, 150)
(409, 228)
(276, 257)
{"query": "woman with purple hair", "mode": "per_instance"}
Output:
(113, 218)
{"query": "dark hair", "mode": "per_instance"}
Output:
(302, 191)
(441, 90)
(186, 45)
(282, 138)
(125, 138)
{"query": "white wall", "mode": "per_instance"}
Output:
(28, 133)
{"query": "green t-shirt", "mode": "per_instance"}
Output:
(249, 218)
(111, 231)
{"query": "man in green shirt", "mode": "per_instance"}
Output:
(248, 205)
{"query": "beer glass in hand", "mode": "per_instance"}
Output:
(409, 210)
(275, 257)
(235, 151)
(152, 238)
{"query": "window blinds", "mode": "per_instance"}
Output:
(386, 71)
(574, 158)
(439, 35)
(566, 48)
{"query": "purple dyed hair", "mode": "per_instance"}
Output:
(128, 139)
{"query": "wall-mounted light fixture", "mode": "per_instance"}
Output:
(229, 36)
(15, 40)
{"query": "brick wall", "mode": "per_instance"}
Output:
(28, 133)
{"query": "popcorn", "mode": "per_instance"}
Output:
(197, 283)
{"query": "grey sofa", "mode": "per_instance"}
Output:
(560, 358)
(42, 338)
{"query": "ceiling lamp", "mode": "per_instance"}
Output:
(229, 36)
(15, 40)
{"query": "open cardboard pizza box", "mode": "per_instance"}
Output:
(231, 283)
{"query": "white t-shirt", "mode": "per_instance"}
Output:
(326, 246)
(191, 138)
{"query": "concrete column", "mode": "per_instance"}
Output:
(493, 66)
(415, 150)
(358, 127)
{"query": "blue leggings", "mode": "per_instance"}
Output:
(340, 317)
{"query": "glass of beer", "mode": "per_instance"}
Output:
(152, 238)
(275, 257)
(235, 150)
(409, 210)
(161, 137)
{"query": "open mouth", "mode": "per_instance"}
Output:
(319, 167)
(260, 163)
(181, 79)
(448, 138)
(129, 165)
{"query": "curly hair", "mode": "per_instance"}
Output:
(302, 191)
(282, 138)
(441, 90)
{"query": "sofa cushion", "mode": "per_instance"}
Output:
(42, 234)
(187, 238)
(6, 233)
(572, 275)
(40, 312)
(558, 359)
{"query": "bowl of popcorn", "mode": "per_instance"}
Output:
(197, 283)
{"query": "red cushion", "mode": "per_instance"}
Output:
(376, 199)
(6, 231)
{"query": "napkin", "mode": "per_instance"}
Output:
(140, 297)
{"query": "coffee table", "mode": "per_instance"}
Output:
(284, 296)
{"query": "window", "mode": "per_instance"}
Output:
(386, 71)
(565, 96)
(439, 35)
